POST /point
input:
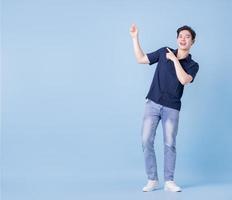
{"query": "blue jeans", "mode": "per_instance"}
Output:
(169, 117)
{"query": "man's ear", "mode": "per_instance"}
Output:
(193, 41)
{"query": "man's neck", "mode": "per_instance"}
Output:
(181, 54)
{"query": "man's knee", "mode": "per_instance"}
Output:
(171, 147)
(147, 143)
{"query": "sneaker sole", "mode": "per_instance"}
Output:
(167, 189)
(157, 187)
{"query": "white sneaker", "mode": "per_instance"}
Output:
(171, 186)
(151, 185)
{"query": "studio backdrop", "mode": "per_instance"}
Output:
(73, 96)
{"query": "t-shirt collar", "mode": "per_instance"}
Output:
(188, 58)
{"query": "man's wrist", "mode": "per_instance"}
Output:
(135, 37)
(175, 60)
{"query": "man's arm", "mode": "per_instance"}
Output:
(182, 76)
(140, 56)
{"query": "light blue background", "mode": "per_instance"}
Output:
(73, 98)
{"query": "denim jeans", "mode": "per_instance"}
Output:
(169, 117)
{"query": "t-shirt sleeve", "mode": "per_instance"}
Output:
(153, 57)
(192, 71)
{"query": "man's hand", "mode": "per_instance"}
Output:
(170, 55)
(133, 31)
(182, 76)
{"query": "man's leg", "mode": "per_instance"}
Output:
(170, 119)
(150, 122)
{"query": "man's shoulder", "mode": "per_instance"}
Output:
(193, 66)
(193, 63)
(163, 50)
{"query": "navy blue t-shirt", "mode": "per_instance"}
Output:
(165, 88)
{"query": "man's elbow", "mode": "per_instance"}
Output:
(186, 80)
(139, 61)
(143, 60)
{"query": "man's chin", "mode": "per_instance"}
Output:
(184, 48)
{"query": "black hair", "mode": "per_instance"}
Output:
(188, 28)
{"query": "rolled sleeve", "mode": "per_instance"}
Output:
(192, 71)
(153, 57)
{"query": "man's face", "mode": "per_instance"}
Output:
(184, 40)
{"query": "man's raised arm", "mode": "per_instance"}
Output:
(140, 56)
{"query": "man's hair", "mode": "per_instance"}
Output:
(188, 28)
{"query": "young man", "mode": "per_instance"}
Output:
(163, 102)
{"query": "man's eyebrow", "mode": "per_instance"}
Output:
(187, 34)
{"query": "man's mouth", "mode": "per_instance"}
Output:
(182, 43)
